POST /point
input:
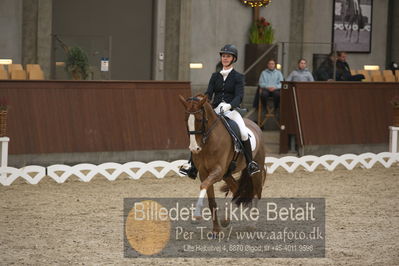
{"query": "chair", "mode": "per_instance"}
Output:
(376, 76)
(388, 76)
(30, 67)
(18, 74)
(36, 74)
(12, 67)
(270, 111)
(366, 75)
(3, 74)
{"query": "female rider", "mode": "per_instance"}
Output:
(227, 89)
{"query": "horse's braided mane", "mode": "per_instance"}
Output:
(201, 96)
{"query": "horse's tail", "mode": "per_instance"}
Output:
(244, 193)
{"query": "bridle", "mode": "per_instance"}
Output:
(204, 121)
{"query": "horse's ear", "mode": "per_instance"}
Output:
(183, 101)
(203, 100)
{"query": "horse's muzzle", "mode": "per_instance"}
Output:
(195, 149)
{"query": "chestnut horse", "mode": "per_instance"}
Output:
(212, 152)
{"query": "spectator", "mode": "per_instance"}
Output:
(300, 74)
(325, 72)
(343, 72)
(269, 85)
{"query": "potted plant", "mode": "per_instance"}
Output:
(77, 63)
(3, 117)
(261, 32)
(261, 38)
(395, 105)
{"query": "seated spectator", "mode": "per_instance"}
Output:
(325, 72)
(269, 85)
(343, 72)
(300, 74)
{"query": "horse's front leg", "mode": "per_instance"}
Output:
(214, 176)
(213, 208)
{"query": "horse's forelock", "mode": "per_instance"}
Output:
(196, 98)
(194, 102)
(193, 106)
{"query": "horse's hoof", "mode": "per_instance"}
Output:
(225, 222)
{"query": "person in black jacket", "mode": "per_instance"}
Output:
(343, 72)
(227, 90)
(325, 72)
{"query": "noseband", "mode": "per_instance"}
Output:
(204, 121)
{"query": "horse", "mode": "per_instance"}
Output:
(212, 151)
(352, 14)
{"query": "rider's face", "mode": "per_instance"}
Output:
(227, 60)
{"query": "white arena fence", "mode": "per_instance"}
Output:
(135, 170)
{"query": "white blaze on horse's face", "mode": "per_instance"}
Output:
(194, 147)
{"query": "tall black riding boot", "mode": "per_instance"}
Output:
(189, 169)
(252, 165)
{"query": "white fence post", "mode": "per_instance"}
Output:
(4, 155)
(393, 139)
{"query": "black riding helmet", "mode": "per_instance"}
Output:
(229, 49)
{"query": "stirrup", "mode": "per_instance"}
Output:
(253, 168)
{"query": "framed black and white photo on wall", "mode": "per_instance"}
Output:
(352, 25)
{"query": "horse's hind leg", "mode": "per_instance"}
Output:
(231, 184)
(258, 179)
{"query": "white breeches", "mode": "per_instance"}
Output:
(234, 115)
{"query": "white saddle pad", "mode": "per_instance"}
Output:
(253, 139)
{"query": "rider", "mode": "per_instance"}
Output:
(227, 87)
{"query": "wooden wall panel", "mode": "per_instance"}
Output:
(336, 113)
(91, 116)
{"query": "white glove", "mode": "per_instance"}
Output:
(226, 107)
